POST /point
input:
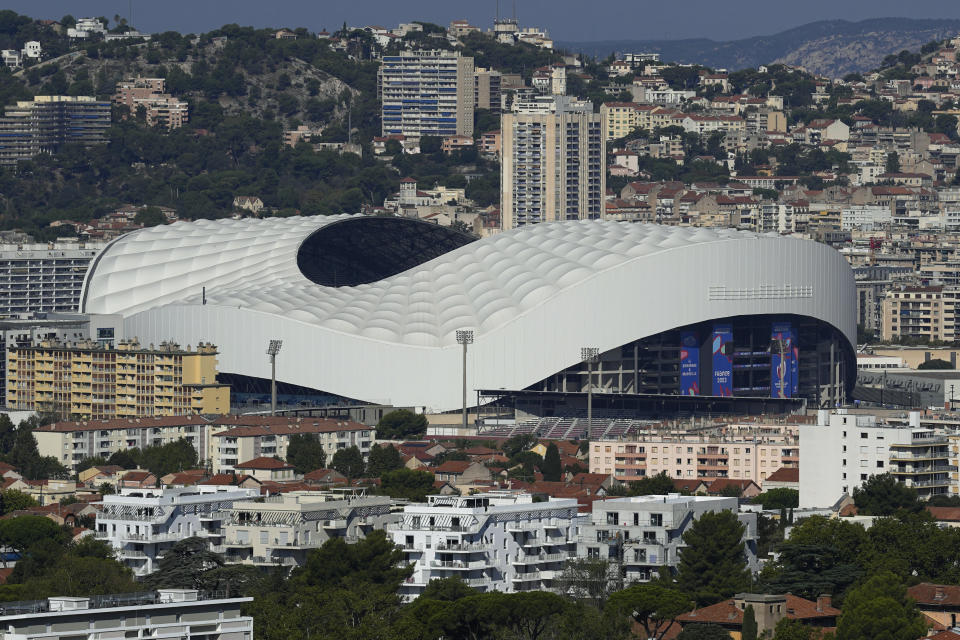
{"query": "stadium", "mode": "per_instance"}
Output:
(368, 309)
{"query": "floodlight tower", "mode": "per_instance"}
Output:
(272, 350)
(589, 355)
(465, 337)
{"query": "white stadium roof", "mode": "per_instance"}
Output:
(533, 296)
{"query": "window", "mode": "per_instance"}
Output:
(656, 519)
(863, 435)
(863, 476)
(593, 552)
(650, 537)
(879, 464)
(613, 517)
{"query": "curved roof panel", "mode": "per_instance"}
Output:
(534, 295)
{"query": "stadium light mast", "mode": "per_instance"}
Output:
(589, 355)
(465, 337)
(272, 350)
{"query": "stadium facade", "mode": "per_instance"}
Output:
(368, 307)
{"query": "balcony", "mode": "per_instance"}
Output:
(459, 564)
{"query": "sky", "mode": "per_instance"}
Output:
(568, 20)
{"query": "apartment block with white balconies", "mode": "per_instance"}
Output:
(642, 534)
(141, 524)
(281, 530)
(495, 541)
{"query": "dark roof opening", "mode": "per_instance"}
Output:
(362, 250)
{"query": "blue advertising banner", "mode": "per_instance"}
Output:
(794, 363)
(781, 360)
(689, 364)
(722, 360)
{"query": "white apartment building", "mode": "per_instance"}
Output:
(43, 277)
(642, 534)
(867, 217)
(167, 613)
(842, 450)
(140, 524)
(495, 541)
(426, 93)
(282, 529)
(554, 162)
(271, 437)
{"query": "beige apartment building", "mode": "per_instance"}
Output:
(281, 530)
(554, 162)
(744, 455)
(94, 381)
(234, 446)
(160, 109)
(920, 312)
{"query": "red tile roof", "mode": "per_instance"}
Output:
(728, 613)
(784, 474)
(929, 594)
(135, 476)
(945, 514)
(453, 466)
(264, 463)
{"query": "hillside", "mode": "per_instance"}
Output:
(830, 47)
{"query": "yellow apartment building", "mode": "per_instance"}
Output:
(86, 380)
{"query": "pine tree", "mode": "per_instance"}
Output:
(713, 565)
(552, 470)
(749, 628)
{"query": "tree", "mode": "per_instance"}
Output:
(23, 532)
(935, 363)
(383, 458)
(401, 424)
(703, 632)
(305, 452)
(552, 471)
(184, 565)
(778, 498)
(658, 485)
(13, 500)
(374, 560)
(587, 580)
(413, 485)
(879, 608)
(713, 565)
(446, 589)
(748, 631)
(883, 495)
(893, 162)
(430, 144)
(792, 629)
(89, 462)
(349, 462)
(150, 217)
(652, 606)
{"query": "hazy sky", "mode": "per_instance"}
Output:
(564, 19)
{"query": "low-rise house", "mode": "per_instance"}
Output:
(137, 479)
(938, 602)
(265, 469)
(461, 472)
(49, 491)
(783, 478)
(768, 610)
(324, 477)
(252, 204)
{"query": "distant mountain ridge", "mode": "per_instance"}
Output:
(828, 47)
